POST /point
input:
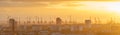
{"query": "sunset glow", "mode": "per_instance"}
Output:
(78, 9)
(59, 17)
(90, 5)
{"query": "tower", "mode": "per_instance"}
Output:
(12, 24)
(58, 20)
(88, 23)
(88, 26)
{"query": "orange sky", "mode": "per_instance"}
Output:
(63, 8)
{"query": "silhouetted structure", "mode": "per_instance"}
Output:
(12, 24)
(59, 29)
(41, 20)
(88, 23)
(58, 20)
(28, 20)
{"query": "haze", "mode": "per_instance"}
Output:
(85, 9)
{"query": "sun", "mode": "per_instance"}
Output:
(113, 7)
(106, 6)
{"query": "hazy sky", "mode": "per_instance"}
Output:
(84, 8)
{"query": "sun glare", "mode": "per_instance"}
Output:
(113, 7)
(107, 6)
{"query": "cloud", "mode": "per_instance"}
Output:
(40, 3)
(70, 4)
(31, 4)
(21, 4)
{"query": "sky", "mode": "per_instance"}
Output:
(60, 8)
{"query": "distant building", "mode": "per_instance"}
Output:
(88, 23)
(12, 23)
(28, 21)
(58, 20)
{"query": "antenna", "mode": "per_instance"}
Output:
(28, 21)
(9, 17)
(99, 21)
(19, 19)
(96, 20)
(41, 20)
(111, 20)
(38, 20)
(51, 20)
(70, 19)
(90, 17)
